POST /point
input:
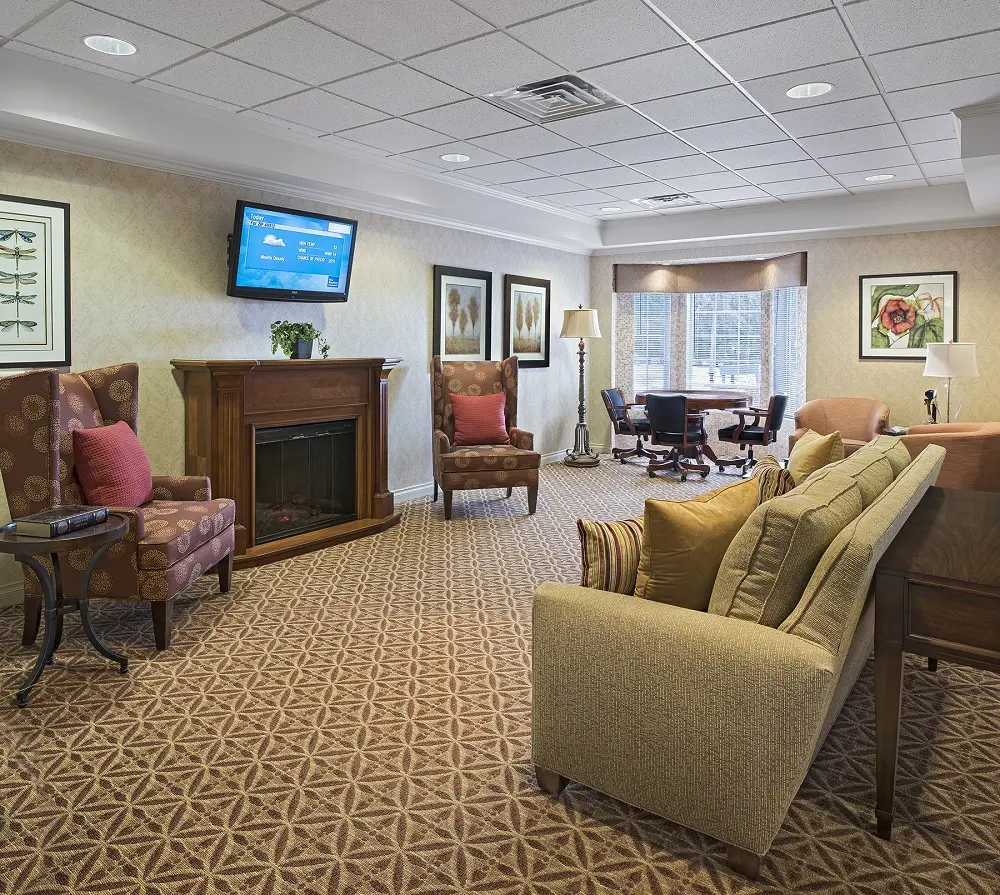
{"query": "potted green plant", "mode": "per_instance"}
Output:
(296, 339)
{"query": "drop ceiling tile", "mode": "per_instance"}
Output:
(399, 28)
(623, 209)
(805, 185)
(701, 107)
(543, 186)
(678, 70)
(939, 151)
(63, 32)
(680, 167)
(816, 194)
(629, 192)
(280, 122)
(950, 60)
(763, 200)
(318, 55)
(467, 118)
(928, 130)
(763, 154)
(827, 119)
(857, 178)
(785, 171)
(888, 185)
(319, 109)
(734, 134)
(476, 156)
(206, 24)
(604, 127)
(486, 64)
(61, 59)
(356, 148)
(732, 194)
(955, 178)
(572, 161)
(396, 89)
(879, 136)
(293, 5)
(17, 15)
(626, 28)
(508, 12)
(599, 180)
(186, 94)
(525, 142)
(703, 18)
(867, 162)
(504, 172)
(645, 149)
(228, 79)
(947, 168)
(922, 102)
(406, 161)
(802, 42)
(891, 24)
(850, 80)
(394, 135)
(581, 197)
(700, 183)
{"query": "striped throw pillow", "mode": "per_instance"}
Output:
(773, 479)
(610, 554)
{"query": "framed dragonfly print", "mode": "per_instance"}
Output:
(902, 313)
(34, 283)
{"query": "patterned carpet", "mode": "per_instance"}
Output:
(357, 721)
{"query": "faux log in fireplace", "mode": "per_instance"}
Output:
(300, 445)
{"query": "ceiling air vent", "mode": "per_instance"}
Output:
(543, 101)
(673, 200)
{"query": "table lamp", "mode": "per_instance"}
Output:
(581, 324)
(949, 360)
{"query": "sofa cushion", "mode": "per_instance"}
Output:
(683, 542)
(769, 562)
(871, 470)
(892, 448)
(610, 554)
(814, 451)
(489, 457)
(112, 466)
(773, 479)
(479, 419)
(174, 528)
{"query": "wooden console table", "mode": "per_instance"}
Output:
(937, 594)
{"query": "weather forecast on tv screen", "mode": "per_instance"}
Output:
(279, 250)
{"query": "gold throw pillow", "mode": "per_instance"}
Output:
(814, 451)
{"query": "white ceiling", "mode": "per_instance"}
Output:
(704, 83)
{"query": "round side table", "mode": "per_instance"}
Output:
(55, 603)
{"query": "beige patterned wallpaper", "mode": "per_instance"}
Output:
(149, 283)
(834, 265)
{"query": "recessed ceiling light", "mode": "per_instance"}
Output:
(879, 178)
(611, 208)
(454, 157)
(111, 46)
(809, 91)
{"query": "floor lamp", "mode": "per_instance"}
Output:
(581, 324)
(948, 360)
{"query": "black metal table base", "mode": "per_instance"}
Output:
(55, 606)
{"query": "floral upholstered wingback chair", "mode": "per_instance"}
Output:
(170, 541)
(469, 467)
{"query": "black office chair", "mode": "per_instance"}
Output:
(618, 410)
(682, 432)
(762, 431)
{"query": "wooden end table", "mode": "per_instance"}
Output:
(55, 603)
(937, 594)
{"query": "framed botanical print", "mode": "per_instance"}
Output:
(901, 313)
(34, 283)
(526, 320)
(463, 302)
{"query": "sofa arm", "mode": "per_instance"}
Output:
(705, 720)
(795, 436)
(185, 487)
(521, 439)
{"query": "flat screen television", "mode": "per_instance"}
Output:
(286, 255)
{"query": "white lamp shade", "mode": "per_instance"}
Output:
(951, 359)
(580, 323)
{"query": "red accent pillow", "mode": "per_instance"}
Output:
(479, 419)
(112, 467)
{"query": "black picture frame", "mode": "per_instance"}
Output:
(526, 359)
(949, 316)
(64, 358)
(478, 316)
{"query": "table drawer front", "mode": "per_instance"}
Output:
(959, 619)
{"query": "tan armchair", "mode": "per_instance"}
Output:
(858, 420)
(973, 459)
(171, 540)
(469, 467)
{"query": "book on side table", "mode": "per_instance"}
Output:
(59, 521)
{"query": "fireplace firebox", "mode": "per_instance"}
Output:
(305, 478)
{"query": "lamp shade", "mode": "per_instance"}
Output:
(580, 323)
(951, 359)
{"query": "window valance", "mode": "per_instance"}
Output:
(761, 275)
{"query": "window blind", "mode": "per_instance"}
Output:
(724, 341)
(651, 322)
(789, 378)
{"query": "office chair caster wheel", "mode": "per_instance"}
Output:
(684, 478)
(704, 475)
(652, 474)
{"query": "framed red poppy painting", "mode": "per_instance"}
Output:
(902, 312)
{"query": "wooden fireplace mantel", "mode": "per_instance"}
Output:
(225, 401)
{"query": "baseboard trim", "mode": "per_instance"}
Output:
(11, 594)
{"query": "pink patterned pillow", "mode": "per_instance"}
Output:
(112, 467)
(479, 419)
